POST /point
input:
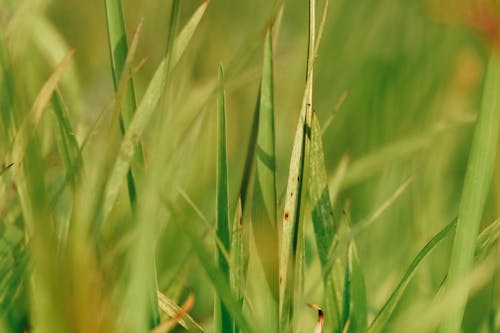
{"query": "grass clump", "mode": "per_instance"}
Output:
(143, 189)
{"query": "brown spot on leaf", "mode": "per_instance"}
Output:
(286, 216)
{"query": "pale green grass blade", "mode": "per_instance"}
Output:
(405, 148)
(53, 47)
(484, 243)
(291, 216)
(185, 35)
(34, 116)
(355, 309)
(264, 208)
(141, 118)
(385, 313)
(222, 318)
(171, 309)
(475, 190)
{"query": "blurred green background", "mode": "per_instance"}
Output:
(412, 74)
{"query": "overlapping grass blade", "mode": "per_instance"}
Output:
(264, 199)
(291, 216)
(384, 314)
(70, 151)
(222, 319)
(219, 280)
(325, 229)
(487, 239)
(119, 52)
(33, 118)
(144, 112)
(53, 47)
(475, 190)
(484, 243)
(171, 309)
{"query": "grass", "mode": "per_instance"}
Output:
(145, 189)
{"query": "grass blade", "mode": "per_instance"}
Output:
(222, 319)
(291, 216)
(384, 314)
(487, 240)
(264, 199)
(355, 311)
(172, 309)
(325, 229)
(35, 115)
(118, 50)
(141, 118)
(475, 190)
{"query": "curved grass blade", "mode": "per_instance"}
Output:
(264, 198)
(374, 161)
(172, 309)
(487, 240)
(321, 318)
(385, 313)
(475, 191)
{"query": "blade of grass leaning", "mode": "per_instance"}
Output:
(395, 151)
(475, 190)
(264, 197)
(486, 240)
(383, 316)
(484, 243)
(33, 118)
(51, 44)
(141, 118)
(172, 309)
(291, 215)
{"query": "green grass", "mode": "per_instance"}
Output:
(307, 187)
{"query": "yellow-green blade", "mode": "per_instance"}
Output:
(476, 187)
